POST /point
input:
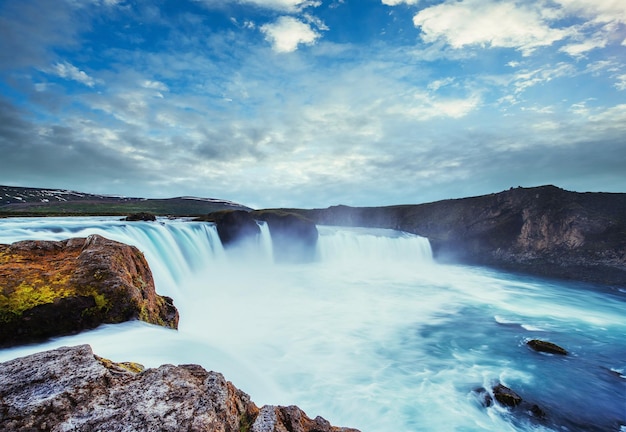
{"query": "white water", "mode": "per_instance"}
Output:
(373, 335)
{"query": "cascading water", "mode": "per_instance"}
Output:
(373, 334)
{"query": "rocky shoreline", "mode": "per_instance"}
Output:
(70, 388)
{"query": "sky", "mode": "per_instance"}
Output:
(312, 103)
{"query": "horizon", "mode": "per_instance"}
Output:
(308, 103)
(226, 200)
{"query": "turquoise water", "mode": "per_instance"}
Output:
(373, 335)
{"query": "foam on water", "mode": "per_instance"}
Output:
(373, 335)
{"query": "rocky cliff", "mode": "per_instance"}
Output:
(71, 389)
(545, 230)
(51, 288)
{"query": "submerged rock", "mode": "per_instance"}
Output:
(547, 347)
(52, 288)
(71, 389)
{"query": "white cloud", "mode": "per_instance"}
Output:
(621, 83)
(423, 106)
(154, 85)
(398, 2)
(71, 72)
(597, 11)
(279, 5)
(578, 49)
(526, 78)
(286, 33)
(487, 23)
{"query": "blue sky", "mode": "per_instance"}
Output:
(311, 103)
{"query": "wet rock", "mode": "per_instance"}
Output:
(71, 389)
(547, 347)
(506, 396)
(234, 226)
(52, 288)
(483, 396)
(294, 237)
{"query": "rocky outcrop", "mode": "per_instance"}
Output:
(544, 231)
(294, 237)
(51, 288)
(234, 226)
(71, 389)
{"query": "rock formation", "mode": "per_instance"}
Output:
(544, 231)
(234, 226)
(51, 288)
(71, 389)
(294, 237)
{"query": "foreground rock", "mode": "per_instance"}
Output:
(294, 237)
(544, 231)
(52, 288)
(71, 389)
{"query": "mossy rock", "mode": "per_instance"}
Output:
(56, 288)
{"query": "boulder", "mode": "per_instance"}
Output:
(71, 389)
(546, 347)
(294, 237)
(506, 396)
(52, 288)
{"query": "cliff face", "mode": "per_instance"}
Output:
(50, 288)
(545, 231)
(71, 389)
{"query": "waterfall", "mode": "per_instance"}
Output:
(177, 250)
(372, 246)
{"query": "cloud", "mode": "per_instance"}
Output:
(71, 72)
(287, 33)
(290, 6)
(621, 82)
(398, 2)
(487, 23)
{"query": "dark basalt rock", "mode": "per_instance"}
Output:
(234, 226)
(294, 237)
(72, 389)
(545, 231)
(146, 217)
(506, 396)
(546, 347)
(52, 288)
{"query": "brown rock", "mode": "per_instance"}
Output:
(71, 389)
(50, 288)
(506, 396)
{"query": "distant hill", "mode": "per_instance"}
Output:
(24, 201)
